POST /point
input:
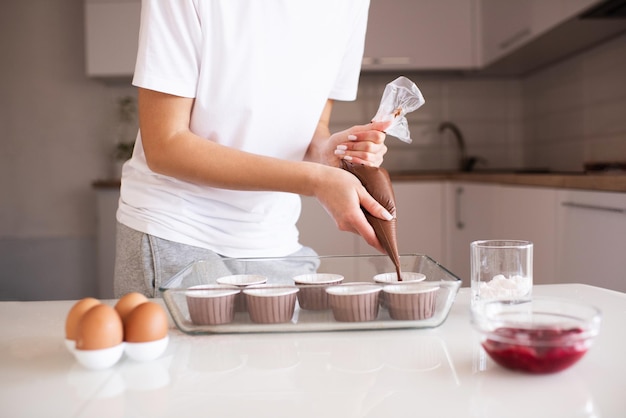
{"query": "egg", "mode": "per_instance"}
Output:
(99, 328)
(128, 302)
(147, 322)
(145, 332)
(75, 314)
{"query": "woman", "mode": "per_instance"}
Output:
(235, 98)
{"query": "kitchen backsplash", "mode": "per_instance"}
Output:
(558, 117)
(575, 111)
(487, 111)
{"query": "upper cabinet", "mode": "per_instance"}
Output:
(507, 25)
(523, 35)
(111, 36)
(421, 35)
(502, 37)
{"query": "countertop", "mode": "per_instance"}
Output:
(440, 372)
(608, 182)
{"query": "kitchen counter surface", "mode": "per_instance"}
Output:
(566, 180)
(599, 182)
(440, 372)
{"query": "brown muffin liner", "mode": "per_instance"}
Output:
(271, 309)
(212, 310)
(355, 307)
(411, 306)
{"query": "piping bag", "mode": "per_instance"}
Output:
(400, 97)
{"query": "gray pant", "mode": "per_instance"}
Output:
(144, 262)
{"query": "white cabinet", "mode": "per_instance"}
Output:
(529, 213)
(508, 25)
(319, 231)
(470, 210)
(420, 220)
(421, 35)
(487, 211)
(505, 26)
(111, 37)
(421, 214)
(592, 238)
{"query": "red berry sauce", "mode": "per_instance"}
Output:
(536, 350)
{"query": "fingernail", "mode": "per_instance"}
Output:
(339, 151)
(387, 215)
(352, 137)
(347, 158)
(342, 147)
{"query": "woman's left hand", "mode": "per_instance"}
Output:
(362, 144)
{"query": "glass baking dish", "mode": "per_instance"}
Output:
(360, 268)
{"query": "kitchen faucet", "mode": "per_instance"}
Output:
(465, 163)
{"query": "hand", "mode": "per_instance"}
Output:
(361, 144)
(343, 196)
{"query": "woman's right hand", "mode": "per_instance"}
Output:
(344, 198)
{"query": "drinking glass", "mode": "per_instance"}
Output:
(501, 270)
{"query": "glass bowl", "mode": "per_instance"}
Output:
(545, 335)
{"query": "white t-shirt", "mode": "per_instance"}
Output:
(260, 73)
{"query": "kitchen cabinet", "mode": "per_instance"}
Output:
(529, 213)
(470, 210)
(486, 211)
(506, 26)
(318, 231)
(421, 214)
(111, 37)
(592, 238)
(421, 35)
(402, 35)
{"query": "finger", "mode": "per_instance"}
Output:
(369, 135)
(380, 126)
(374, 208)
(365, 230)
(362, 153)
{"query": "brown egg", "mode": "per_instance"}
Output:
(100, 327)
(147, 322)
(75, 314)
(128, 302)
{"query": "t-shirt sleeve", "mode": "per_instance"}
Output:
(347, 81)
(168, 55)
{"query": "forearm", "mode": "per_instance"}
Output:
(172, 149)
(188, 157)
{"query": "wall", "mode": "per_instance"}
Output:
(57, 132)
(575, 111)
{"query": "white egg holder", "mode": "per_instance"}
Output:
(108, 357)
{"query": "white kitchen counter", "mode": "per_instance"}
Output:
(439, 372)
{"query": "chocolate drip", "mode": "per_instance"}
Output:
(377, 182)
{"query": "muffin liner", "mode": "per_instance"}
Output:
(411, 301)
(212, 306)
(271, 305)
(354, 303)
(312, 295)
